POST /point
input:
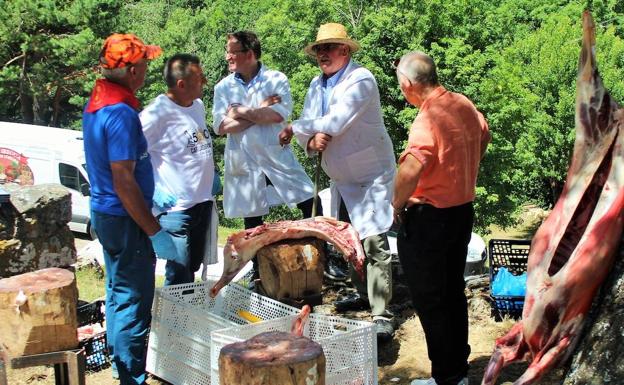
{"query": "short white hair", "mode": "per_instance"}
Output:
(115, 74)
(418, 67)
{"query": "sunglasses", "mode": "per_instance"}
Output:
(325, 47)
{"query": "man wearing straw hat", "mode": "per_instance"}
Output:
(342, 122)
(122, 185)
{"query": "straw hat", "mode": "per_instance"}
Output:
(332, 33)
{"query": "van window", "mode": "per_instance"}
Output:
(70, 176)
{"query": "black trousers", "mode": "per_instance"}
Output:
(305, 207)
(432, 245)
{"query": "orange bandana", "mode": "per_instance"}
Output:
(106, 93)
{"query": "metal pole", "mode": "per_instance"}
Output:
(316, 182)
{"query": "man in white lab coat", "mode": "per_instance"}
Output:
(251, 106)
(342, 120)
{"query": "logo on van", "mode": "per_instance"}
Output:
(14, 168)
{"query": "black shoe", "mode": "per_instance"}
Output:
(384, 329)
(334, 272)
(351, 302)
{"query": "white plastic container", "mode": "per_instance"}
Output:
(350, 346)
(183, 316)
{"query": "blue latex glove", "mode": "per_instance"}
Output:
(163, 200)
(217, 188)
(164, 246)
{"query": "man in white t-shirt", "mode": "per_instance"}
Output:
(180, 146)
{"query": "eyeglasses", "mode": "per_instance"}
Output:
(395, 66)
(325, 47)
(234, 53)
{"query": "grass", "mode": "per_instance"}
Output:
(92, 282)
(224, 233)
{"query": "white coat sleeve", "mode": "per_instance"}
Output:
(304, 138)
(284, 108)
(342, 114)
(219, 107)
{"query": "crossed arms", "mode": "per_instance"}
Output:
(238, 118)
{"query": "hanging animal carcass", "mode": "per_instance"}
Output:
(574, 249)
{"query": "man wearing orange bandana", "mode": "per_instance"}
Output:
(122, 185)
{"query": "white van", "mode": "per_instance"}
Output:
(32, 154)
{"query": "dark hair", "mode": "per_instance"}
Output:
(248, 40)
(178, 67)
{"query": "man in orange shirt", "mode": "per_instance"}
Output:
(433, 193)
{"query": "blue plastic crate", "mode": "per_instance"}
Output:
(514, 255)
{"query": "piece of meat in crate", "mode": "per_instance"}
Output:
(92, 335)
(508, 265)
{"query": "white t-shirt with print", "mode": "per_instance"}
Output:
(180, 147)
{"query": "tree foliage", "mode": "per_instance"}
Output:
(516, 59)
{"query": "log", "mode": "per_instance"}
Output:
(599, 358)
(272, 358)
(292, 269)
(38, 312)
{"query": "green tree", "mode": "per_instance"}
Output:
(47, 51)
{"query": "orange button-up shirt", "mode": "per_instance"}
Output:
(447, 138)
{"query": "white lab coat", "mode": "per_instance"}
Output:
(256, 152)
(360, 158)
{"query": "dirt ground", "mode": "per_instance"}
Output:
(400, 360)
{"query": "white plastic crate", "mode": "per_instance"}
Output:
(183, 316)
(350, 346)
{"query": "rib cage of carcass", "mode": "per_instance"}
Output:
(242, 246)
(574, 249)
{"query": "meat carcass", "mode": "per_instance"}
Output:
(574, 249)
(241, 247)
(300, 322)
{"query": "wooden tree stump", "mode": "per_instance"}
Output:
(38, 312)
(272, 358)
(292, 269)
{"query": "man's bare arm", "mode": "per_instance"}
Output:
(131, 197)
(405, 183)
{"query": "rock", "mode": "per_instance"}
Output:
(33, 229)
(599, 359)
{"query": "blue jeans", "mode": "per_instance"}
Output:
(130, 263)
(188, 228)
